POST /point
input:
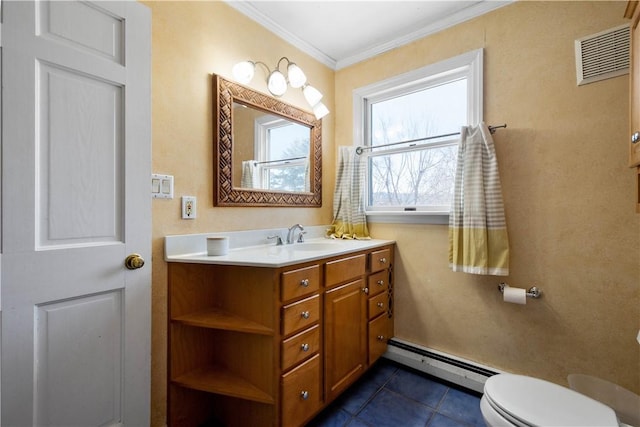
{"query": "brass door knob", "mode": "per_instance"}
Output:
(134, 261)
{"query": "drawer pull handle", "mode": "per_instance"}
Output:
(380, 282)
(380, 337)
(304, 347)
(635, 137)
(381, 304)
(383, 260)
(366, 291)
(305, 314)
(304, 395)
(304, 282)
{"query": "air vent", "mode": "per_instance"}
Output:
(603, 55)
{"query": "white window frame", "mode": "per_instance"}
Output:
(467, 65)
(262, 126)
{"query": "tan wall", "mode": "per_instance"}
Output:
(191, 40)
(568, 198)
(568, 194)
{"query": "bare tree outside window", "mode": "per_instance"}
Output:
(287, 142)
(421, 173)
(293, 175)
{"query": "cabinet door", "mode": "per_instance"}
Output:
(634, 79)
(345, 336)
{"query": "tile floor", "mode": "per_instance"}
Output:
(392, 395)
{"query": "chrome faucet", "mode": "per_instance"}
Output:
(290, 238)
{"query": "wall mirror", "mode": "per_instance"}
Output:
(266, 152)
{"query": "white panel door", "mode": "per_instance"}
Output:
(76, 156)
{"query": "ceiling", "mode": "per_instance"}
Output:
(342, 33)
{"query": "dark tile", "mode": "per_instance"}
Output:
(332, 416)
(417, 387)
(408, 398)
(381, 372)
(462, 406)
(354, 398)
(391, 409)
(358, 395)
(359, 423)
(439, 420)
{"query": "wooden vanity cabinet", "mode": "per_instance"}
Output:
(380, 302)
(345, 321)
(632, 12)
(358, 303)
(222, 324)
(253, 346)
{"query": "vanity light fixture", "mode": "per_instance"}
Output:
(277, 82)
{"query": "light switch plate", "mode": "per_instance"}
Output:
(161, 186)
(188, 207)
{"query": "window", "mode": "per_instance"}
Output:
(282, 151)
(414, 119)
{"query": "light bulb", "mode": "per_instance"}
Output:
(312, 95)
(296, 76)
(277, 84)
(243, 71)
(320, 110)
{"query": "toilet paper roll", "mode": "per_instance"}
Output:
(515, 295)
(217, 246)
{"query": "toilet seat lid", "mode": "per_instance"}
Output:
(535, 402)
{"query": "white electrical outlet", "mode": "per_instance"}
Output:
(188, 207)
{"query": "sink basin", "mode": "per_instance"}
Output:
(312, 246)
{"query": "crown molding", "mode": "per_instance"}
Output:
(252, 13)
(442, 24)
(464, 15)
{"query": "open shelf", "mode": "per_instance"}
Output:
(216, 379)
(221, 319)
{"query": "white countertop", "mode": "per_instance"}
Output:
(249, 248)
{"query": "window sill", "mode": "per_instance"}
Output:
(438, 218)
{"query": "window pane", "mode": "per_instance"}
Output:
(291, 140)
(433, 111)
(416, 178)
(292, 178)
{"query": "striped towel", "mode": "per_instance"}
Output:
(249, 174)
(478, 240)
(349, 218)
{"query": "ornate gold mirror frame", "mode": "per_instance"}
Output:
(225, 194)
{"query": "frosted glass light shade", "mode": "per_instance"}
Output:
(320, 110)
(296, 76)
(312, 95)
(243, 71)
(277, 83)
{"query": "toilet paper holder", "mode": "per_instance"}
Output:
(533, 291)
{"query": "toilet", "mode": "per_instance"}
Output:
(518, 400)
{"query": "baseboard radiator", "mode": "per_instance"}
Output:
(456, 370)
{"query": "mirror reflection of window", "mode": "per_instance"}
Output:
(282, 149)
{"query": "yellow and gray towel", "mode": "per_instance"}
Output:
(349, 217)
(478, 240)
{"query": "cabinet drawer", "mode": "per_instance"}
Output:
(379, 260)
(301, 396)
(380, 331)
(344, 269)
(300, 315)
(300, 282)
(300, 346)
(378, 282)
(378, 305)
